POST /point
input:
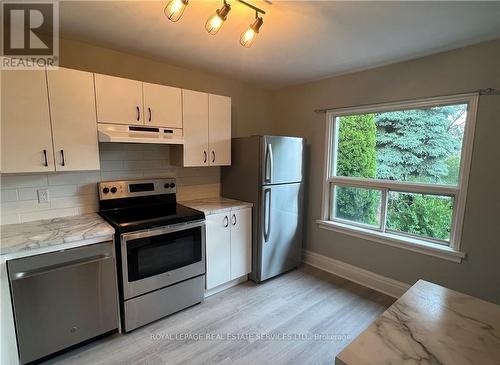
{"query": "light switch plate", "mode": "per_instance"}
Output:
(43, 196)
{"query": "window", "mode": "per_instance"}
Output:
(398, 172)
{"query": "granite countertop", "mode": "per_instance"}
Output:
(430, 324)
(215, 205)
(31, 238)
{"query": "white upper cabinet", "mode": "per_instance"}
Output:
(195, 128)
(74, 127)
(25, 130)
(206, 128)
(219, 121)
(118, 100)
(162, 106)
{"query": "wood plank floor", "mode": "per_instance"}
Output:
(303, 317)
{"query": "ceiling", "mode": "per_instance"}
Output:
(299, 41)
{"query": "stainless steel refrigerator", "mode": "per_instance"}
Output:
(268, 171)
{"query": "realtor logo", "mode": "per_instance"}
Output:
(30, 34)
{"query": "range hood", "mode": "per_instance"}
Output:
(139, 134)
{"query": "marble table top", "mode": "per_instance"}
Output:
(430, 324)
(215, 205)
(30, 238)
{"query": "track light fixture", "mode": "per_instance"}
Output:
(175, 9)
(215, 22)
(248, 36)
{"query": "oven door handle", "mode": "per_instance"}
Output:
(161, 230)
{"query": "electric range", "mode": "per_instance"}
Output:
(160, 248)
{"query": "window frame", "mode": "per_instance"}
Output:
(416, 243)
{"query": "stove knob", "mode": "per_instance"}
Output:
(105, 190)
(172, 185)
(113, 189)
(166, 186)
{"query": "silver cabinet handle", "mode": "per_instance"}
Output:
(268, 173)
(226, 221)
(47, 269)
(234, 219)
(267, 214)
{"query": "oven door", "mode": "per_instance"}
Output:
(153, 259)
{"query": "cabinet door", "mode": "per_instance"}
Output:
(218, 244)
(219, 122)
(74, 126)
(118, 100)
(195, 128)
(241, 242)
(26, 135)
(162, 106)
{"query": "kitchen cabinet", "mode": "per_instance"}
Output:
(195, 114)
(43, 111)
(218, 247)
(219, 130)
(25, 131)
(162, 106)
(74, 127)
(206, 129)
(241, 238)
(125, 101)
(118, 100)
(228, 246)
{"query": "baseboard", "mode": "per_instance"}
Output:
(360, 276)
(225, 286)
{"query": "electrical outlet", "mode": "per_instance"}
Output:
(43, 196)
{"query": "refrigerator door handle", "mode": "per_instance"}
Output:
(267, 214)
(269, 163)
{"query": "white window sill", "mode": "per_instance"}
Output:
(411, 244)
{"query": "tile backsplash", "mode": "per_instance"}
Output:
(72, 193)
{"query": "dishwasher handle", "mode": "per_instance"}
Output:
(43, 270)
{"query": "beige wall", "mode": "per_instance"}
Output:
(250, 104)
(452, 72)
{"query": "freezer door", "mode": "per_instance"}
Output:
(283, 159)
(280, 233)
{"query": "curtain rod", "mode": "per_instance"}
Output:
(487, 91)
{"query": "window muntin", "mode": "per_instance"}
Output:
(441, 184)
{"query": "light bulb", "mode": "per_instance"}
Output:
(215, 22)
(248, 36)
(175, 9)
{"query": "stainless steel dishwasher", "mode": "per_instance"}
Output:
(63, 298)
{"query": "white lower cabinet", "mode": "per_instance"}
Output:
(218, 244)
(228, 246)
(241, 242)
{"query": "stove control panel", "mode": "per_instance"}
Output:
(131, 188)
